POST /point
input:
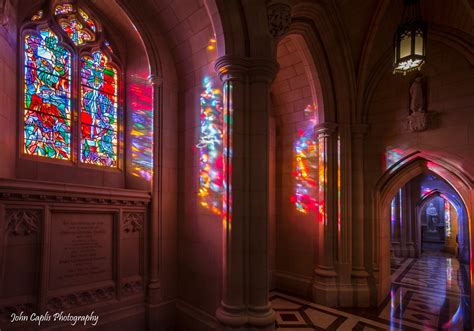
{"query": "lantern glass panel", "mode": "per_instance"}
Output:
(419, 43)
(405, 45)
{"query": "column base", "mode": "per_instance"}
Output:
(360, 287)
(231, 318)
(154, 292)
(324, 289)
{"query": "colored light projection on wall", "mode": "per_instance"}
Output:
(447, 218)
(210, 146)
(140, 96)
(305, 198)
(99, 110)
(47, 113)
(227, 152)
(393, 217)
(392, 156)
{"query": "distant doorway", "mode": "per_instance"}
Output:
(439, 226)
(429, 249)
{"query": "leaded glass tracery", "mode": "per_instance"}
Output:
(49, 80)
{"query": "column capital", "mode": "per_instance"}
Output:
(325, 129)
(155, 80)
(230, 67)
(359, 129)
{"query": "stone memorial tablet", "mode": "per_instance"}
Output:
(81, 248)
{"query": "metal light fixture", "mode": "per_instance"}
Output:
(410, 39)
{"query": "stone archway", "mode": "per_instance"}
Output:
(386, 188)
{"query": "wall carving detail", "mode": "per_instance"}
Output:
(133, 222)
(70, 198)
(132, 287)
(279, 19)
(81, 298)
(22, 222)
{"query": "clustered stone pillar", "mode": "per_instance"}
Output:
(246, 85)
(155, 219)
(359, 273)
(404, 223)
(324, 290)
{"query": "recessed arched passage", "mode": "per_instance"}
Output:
(433, 180)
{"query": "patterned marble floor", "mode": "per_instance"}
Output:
(430, 293)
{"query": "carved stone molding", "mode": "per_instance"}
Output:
(81, 298)
(45, 192)
(230, 67)
(325, 129)
(133, 222)
(155, 80)
(420, 121)
(132, 287)
(63, 198)
(279, 19)
(22, 222)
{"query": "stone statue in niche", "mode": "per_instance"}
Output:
(432, 217)
(416, 96)
(418, 118)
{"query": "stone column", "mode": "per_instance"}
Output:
(154, 295)
(324, 289)
(245, 304)
(359, 273)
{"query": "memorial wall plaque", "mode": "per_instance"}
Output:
(81, 248)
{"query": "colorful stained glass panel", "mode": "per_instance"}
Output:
(75, 30)
(63, 9)
(99, 94)
(37, 16)
(47, 91)
(89, 22)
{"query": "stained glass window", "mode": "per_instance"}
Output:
(75, 30)
(99, 110)
(63, 9)
(89, 22)
(47, 96)
(48, 82)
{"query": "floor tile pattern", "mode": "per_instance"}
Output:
(430, 293)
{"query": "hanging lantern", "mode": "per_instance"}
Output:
(410, 39)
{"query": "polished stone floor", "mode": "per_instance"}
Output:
(429, 293)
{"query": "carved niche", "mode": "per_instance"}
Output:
(132, 222)
(132, 287)
(22, 222)
(279, 19)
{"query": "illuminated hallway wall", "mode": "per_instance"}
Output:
(296, 158)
